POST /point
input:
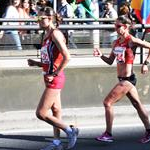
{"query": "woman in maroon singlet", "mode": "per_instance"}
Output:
(54, 58)
(124, 52)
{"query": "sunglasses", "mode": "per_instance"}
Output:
(40, 18)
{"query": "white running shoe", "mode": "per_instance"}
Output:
(53, 146)
(72, 137)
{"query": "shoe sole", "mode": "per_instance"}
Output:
(104, 140)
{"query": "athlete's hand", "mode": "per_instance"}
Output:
(144, 69)
(49, 78)
(97, 52)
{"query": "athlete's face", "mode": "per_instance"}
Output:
(121, 28)
(44, 21)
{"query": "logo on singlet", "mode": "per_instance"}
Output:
(44, 53)
(120, 54)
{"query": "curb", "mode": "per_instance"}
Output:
(81, 117)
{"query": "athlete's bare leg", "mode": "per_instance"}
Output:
(56, 110)
(134, 98)
(48, 99)
(115, 95)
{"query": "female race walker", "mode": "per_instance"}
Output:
(54, 58)
(124, 52)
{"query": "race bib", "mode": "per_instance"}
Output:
(44, 53)
(120, 54)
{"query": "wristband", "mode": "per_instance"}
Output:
(146, 62)
(101, 56)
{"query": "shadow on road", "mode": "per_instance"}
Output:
(124, 140)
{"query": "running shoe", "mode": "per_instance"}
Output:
(146, 138)
(105, 137)
(53, 146)
(72, 137)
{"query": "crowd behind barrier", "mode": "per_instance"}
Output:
(87, 32)
(81, 32)
(67, 9)
(81, 36)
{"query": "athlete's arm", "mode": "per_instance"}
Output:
(144, 44)
(139, 42)
(32, 62)
(109, 60)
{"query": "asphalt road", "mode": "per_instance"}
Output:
(126, 138)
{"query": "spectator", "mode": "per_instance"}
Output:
(101, 7)
(33, 14)
(24, 10)
(66, 11)
(24, 13)
(43, 3)
(125, 10)
(3, 5)
(33, 9)
(80, 11)
(73, 5)
(109, 12)
(12, 35)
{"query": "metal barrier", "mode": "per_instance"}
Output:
(85, 35)
(105, 24)
(64, 19)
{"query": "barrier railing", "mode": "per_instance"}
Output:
(71, 27)
(68, 27)
(90, 26)
(64, 19)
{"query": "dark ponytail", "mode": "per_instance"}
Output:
(59, 19)
(124, 20)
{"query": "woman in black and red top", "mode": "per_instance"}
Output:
(124, 52)
(54, 58)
